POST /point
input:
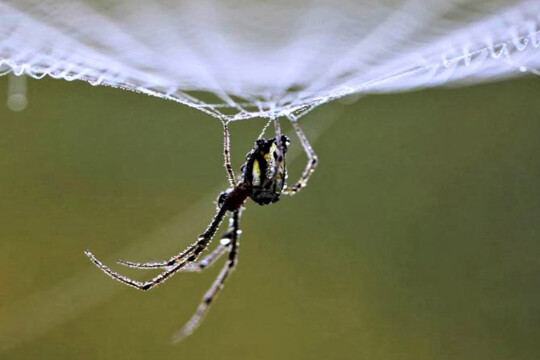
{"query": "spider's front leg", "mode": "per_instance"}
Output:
(202, 264)
(176, 263)
(232, 235)
(311, 163)
(173, 260)
(158, 264)
(225, 243)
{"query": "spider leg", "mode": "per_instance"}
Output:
(225, 242)
(203, 263)
(217, 285)
(227, 154)
(207, 261)
(311, 163)
(158, 264)
(277, 128)
(133, 283)
(181, 260)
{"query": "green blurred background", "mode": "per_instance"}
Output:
(417, 238)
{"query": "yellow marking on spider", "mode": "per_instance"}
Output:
(256, 172)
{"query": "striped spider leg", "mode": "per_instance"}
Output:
(229, 242)
(172, 266)
(207, 261)
(311, 163)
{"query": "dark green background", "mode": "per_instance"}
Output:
(417, 238)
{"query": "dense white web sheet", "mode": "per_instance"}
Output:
(239, 59)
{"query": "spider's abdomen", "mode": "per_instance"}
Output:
(264, 171)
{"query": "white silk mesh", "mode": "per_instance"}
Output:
(240, 59)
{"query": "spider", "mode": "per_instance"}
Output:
(263, 180)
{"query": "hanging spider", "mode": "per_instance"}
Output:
(263, 180)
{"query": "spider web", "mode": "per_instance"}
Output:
(241, 59)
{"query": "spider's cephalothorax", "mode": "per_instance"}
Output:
(263, 179)
(264, 172)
